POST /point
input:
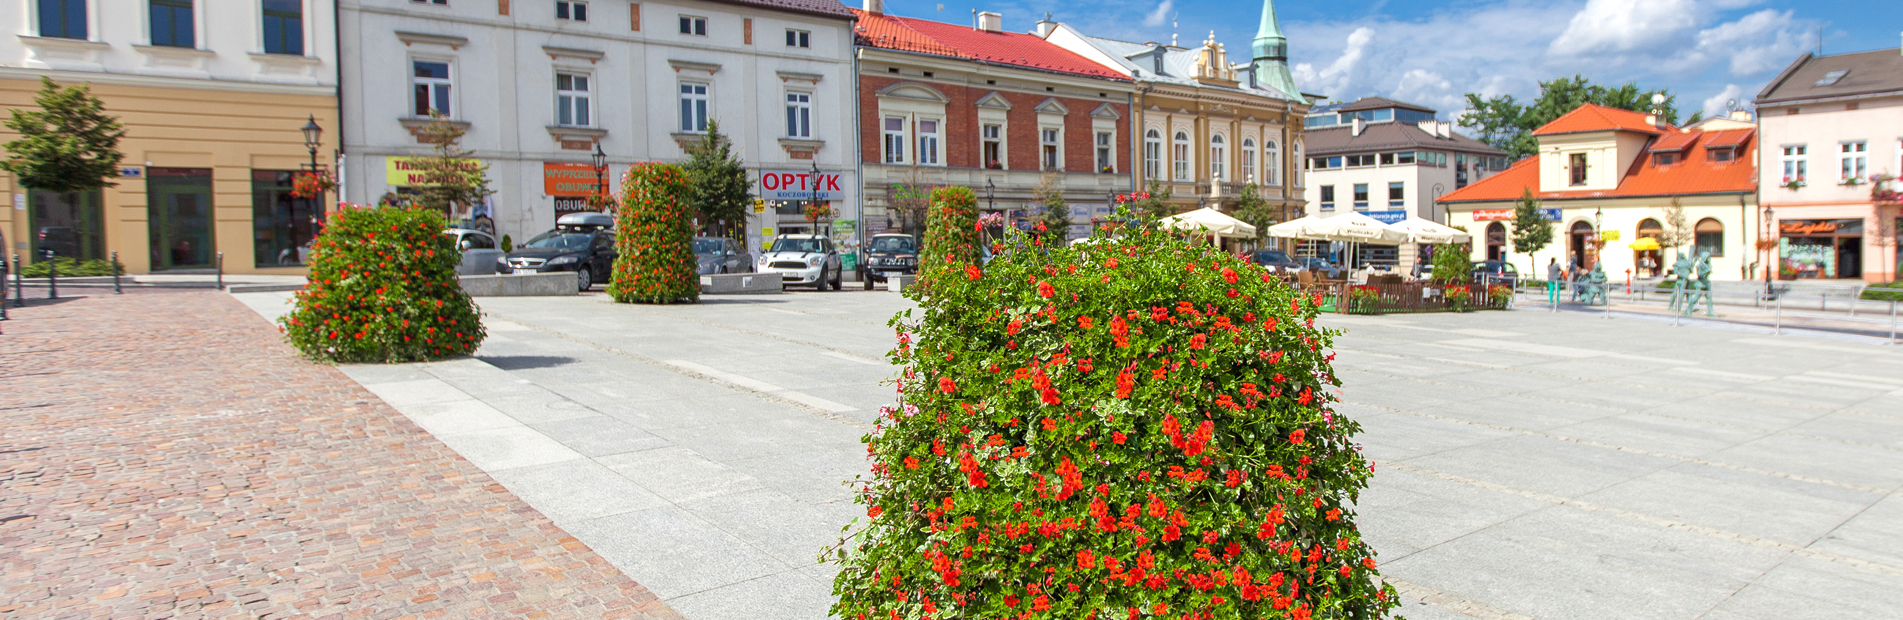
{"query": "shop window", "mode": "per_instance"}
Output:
(1709, 236)
(72, 225)
(172, 23)
(179, 217)
(282, 225)
(63, 19)
(284, 27)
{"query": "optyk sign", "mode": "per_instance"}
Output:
(796, 185)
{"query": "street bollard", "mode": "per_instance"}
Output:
(1778, 323)
(52, 277)
(115, 275)
(3, 291)
(221, 271)
(1893, 322)
(19, 290)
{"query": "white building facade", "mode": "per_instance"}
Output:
(539, 86)
(1389, 159)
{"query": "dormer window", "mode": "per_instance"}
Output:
(1576, 166)
(1722, 154)
(1830, 79)
(1663, 159)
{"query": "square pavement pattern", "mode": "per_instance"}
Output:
(1529, 465)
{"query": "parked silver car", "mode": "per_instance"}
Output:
(721, 255)
(481, 255)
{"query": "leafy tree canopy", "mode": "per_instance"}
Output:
(717, 188)
(1056, 213)
(1531, 229)
(69, 145)
(1505, 123)
(1252, 208)
(453, 179)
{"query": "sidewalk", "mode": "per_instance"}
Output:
(1865, 325)
(164, 454)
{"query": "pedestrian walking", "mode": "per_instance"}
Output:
(1553, 277)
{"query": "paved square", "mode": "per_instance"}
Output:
(1528, 464)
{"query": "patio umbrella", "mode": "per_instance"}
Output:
(1211, 221)
(1644, 244)
(1421, 230)
(1294, 229)
(1356, 227)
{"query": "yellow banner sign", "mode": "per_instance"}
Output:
(408, 171)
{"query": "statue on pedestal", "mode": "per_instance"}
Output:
(1681, 280)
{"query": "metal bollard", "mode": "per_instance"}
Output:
(1778, 325)
(52, 277)
(115, 275)
(1892, 322)
(19, 290)
(221, 271)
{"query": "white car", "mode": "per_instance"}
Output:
(803, 260)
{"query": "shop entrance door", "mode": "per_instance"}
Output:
(1579, 236)
(179, 217)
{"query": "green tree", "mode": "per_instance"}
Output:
(1532, 231)
(453, 180)
(1452, 265)
(1256, 211)
(717, 186)
(69, 145)
(1505, 123)
(1056, 213)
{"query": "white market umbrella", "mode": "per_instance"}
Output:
(1294, 229)
(1422, 230)
(1356, 227)
(1210, 221)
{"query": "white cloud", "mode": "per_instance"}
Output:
(1340, 73)
(1759, 42)
(1160, 15)
(1716, 105)
(1618, 26)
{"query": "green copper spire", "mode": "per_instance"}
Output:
(1271, 56)
(1269, 42)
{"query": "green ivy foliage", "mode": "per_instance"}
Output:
(654, 237)
(383, 289)
(951, 236)
(1137, 427)
(71, 268)
(1452, 265)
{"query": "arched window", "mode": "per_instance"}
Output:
(1153, 154)
(1271, 163)
(1181, 153)
(1217, 158)
(1649, 227)
(1496, 240)
(1578, 239)
(1709, 236)
(1248, 160)
(1295, 155)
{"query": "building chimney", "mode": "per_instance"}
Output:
(875, 6)
(1444, 130)
(1652, 119)
(990, 22)
(1045, 26)
(1742, 116)
(1356, 127)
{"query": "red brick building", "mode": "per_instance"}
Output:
(1003, 113)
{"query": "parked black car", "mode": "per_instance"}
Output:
(61, 240)
(1497, 272)
(1276, 261)
(890, 255)
(581, 242)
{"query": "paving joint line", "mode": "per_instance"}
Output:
(1454, 603)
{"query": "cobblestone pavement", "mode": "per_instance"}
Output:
(164, 455)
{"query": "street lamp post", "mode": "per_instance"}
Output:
(313, 137)
(814, 203)
(1770, 258)
(601, 171)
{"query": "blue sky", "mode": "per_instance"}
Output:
(1432, 52)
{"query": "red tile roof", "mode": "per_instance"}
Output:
(1592, 117)
(959, 41)
(1695, 173)
(1729, 137)
(1675, 141)
(828, 8)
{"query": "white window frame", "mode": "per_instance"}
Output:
(1360, 195)
(1106, 152)
(1794, 163)
(198, 23)
(802, 39)
(1397, 202)
(986, 138)
(1179, 157)
(1271, 163)
(895, 138)
(930, 147)
(1218, 158)
(92, 21)
(1248, 160)
(577, 10)
(1152, 154)
(448, 84)
(693, 25)
(1050, 148)
(799, 114)
(705, 101)
(576, 102)
(1853, 159)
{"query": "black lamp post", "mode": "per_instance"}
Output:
(600, 160)
(1597, 236)
(313, 136)
(990, 195)
(814, 203)
(1770, 258)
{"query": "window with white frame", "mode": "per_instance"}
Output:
(1048, 142)
(63, 19)
(694, 25)
(172, 23)
(437, 2)
(799, 115)
(1271, 163)
(693, 108)
(1854, 159)
(799, 38)
(1796, 165)
(894, 139)
(1105, 163)
(1397, 194)
(574, 10)
(928, 142)
(284, 27)
(1180, 151)
(1152, 155)
(1248, 160)
(1218, 157)
(431, 84)
(993, 138)
(571, 100)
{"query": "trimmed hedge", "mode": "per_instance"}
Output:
(70, 268)
(1134, 428)
(383, 289)
(654, 237)
(951, 236)
(1892, 291)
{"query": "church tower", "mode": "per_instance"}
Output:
(1271, 55)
